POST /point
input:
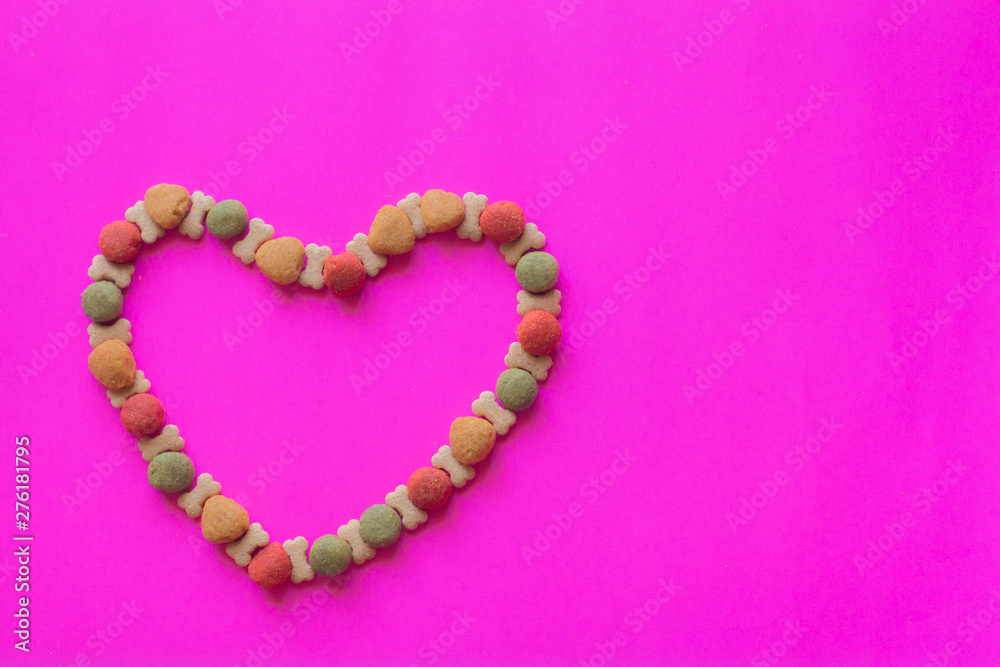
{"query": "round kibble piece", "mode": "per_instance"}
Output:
(172, 472)
(112, 364)
(223, 520)
(270, 566)
(142, 414)
(119, 241)
(380, 526)
(344, 274)
(441, 210)
(391, 232)
(227, 219)
(471, 439)
(281, 259)
(502, 221)
(539, 333)
(329, 555)
(102, 301)
(429, 488)
(516, 389)
(537, 272)
(167, 204)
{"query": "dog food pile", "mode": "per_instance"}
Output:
(286, 260)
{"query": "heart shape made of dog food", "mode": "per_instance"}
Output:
(394, 231)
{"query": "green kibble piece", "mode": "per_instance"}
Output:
(102, 301)
(329, 555)
(172, 472)
(380, 526)
(227, 219)
(537, 272)
(516, 389)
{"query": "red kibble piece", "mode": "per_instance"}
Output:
(142, 414)
(539, 333)
(120, 241)
(270, 566)
(429, 488)
(344, 274)
(502, 221)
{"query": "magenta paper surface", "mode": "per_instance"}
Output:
(769, 437)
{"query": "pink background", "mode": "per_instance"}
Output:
(910, 462)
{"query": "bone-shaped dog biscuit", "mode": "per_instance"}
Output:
(459, 472)
(351, 533)
(549, 302)
(296, 550)
(399, 500)
(169, 440)
(139, 386)
(537, 366)
(486, 406)
(530, 239)
(258, 232)
(102, 269)
(372, 261)
(193, 501)
(193, 224)
(242, 549)
(411, 207)
(150, 231)
(474, 206)
(120, 330)
(312, 276)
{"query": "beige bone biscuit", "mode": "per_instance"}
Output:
(149, 230)
(373, 262)
(399, 500)
(258, 232)
(486, 406)
(537, 366)
(296, 550)
(193, 501)
(459, 472)
(120, 330)
(169, 440)
(351, 533)
(474, 206)
(102, 269)
(530, 239)
(139, 386)
(411, 207)
(242, 549)
(193, 224)
(549, 302)
(312, 276)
